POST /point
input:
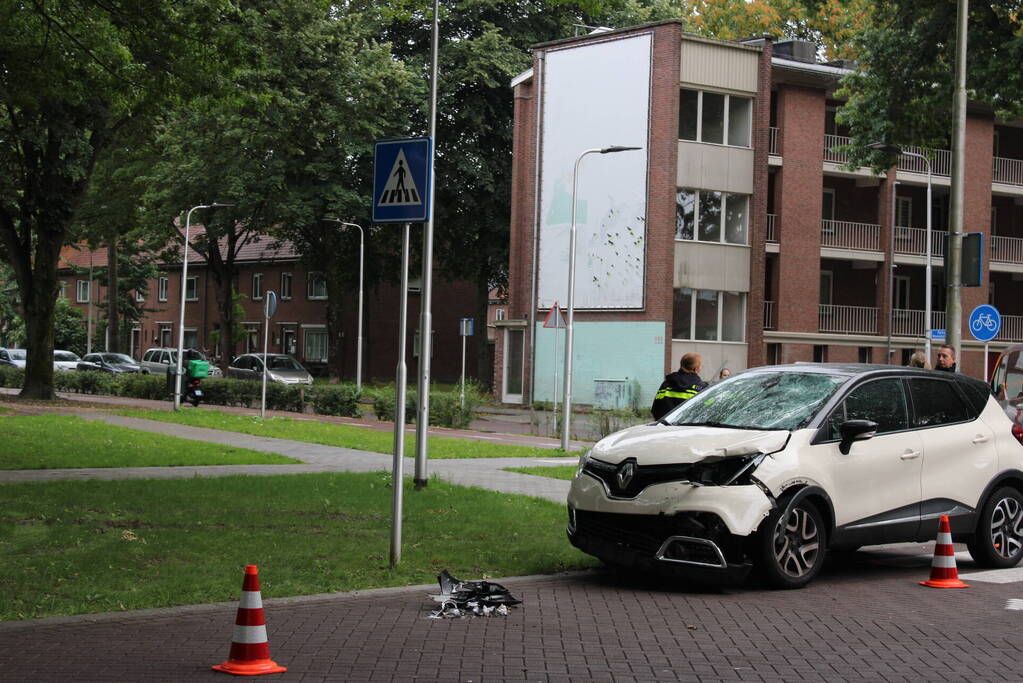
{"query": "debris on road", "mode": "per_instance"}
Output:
(470, 598)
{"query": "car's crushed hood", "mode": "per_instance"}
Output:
(666, 444)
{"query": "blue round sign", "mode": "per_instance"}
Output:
(985, 323)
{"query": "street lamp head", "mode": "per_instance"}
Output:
(886, 147)
(218, 205)
(617, 148)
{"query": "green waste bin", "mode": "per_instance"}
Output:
(198, 369)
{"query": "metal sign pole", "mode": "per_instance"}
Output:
(266, 334)
(399, 409)
(985, 362)
(461, 395)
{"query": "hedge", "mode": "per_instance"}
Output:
(447, 408)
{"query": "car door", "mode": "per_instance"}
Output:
(960, 456)
(875, 487)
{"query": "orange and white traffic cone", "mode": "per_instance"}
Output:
(250, 651)
(943, 567)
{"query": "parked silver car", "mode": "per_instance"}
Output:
(156, 361)
(114, 363)
(280, 368)
(65, 360)
(15, 357)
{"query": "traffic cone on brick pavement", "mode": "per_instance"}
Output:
(250, 651)
(943, 567)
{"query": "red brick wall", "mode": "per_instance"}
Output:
(799, 182)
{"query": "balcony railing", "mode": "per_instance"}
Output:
(914, 241)
(910, 323)
(769, 323)
(847, 319)
(772, 233)
(850, 235)
(941, 164)
(1009, 171)
(772, 140)
(1006, 249)
(1012, 328)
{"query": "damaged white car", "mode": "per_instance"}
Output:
(772, 467)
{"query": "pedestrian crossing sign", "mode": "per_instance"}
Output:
(401, 180)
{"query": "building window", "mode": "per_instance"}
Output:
(709, 315)
(316, 286)
(252, 344)
(257, 286)
(83, 292)
(499, 314)
(315, 346)
(820, 354)
(711, 216)
(285, 285)
(162, 289)
(191, 339)
(714, 118)
(192, 288)
(63, 289)
(140, 295)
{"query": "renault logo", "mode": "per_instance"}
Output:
(625, 474)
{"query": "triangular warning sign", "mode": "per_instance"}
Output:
(400, 189)
(554, 318)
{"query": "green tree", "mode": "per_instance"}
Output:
(75, 76)
(288, 143)
(902, 89)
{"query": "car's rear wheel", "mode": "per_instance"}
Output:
(998, 541)
(791, 545)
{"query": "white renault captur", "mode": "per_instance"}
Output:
(770, 468)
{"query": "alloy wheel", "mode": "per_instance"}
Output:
(1007, 527)
(796, 543)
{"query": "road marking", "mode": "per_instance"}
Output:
(1014, 604)
(996, 576)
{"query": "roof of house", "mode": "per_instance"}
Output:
(260, 248)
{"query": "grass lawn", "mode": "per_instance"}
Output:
(555, 472)
(94, 546)
(55, 441)
(346, 436)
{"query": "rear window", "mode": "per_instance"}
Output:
(977, 396)
(936, 402)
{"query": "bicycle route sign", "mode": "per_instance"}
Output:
(985, 323)
(401, 180)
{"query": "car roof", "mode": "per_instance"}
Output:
(866, 370)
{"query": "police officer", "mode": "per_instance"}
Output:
(679, 387)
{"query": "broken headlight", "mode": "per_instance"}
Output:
(724, 471)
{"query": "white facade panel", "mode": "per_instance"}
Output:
(724, 67)
(715, 167)
(595, 95)
(701, 265)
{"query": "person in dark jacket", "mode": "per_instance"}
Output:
(678, 387)
(946, 359)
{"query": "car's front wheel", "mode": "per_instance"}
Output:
(791, 545)
(998, 541)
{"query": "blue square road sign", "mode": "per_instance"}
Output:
(401, 180)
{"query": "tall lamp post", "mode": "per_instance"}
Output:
(184, 284)
(362, 251)
(566, 410)
(895, 149)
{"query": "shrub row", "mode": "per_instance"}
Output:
(339, 399)
(446, 408)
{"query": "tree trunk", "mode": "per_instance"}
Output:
(39, 303)
(115, 336)
(484, 371)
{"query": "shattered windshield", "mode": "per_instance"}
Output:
(763, 400)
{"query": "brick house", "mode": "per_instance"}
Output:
(298, 328)
(737, 231)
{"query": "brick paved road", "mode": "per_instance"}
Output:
(864, 620)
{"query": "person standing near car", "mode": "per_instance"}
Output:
(679, 387)
(946, 359)
(919, 360)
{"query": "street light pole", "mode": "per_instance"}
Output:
(566, 410)
(181, 315)
(362, 252)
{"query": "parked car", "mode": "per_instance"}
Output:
(15, 357)
(280, 368)
(65, 360)
(156, 361)
(115, 363)
(772, 467)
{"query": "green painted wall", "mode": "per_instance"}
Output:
(602, 350)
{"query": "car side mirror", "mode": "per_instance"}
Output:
(855, 430)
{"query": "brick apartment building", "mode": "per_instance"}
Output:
(737, 231)
(300, 325)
